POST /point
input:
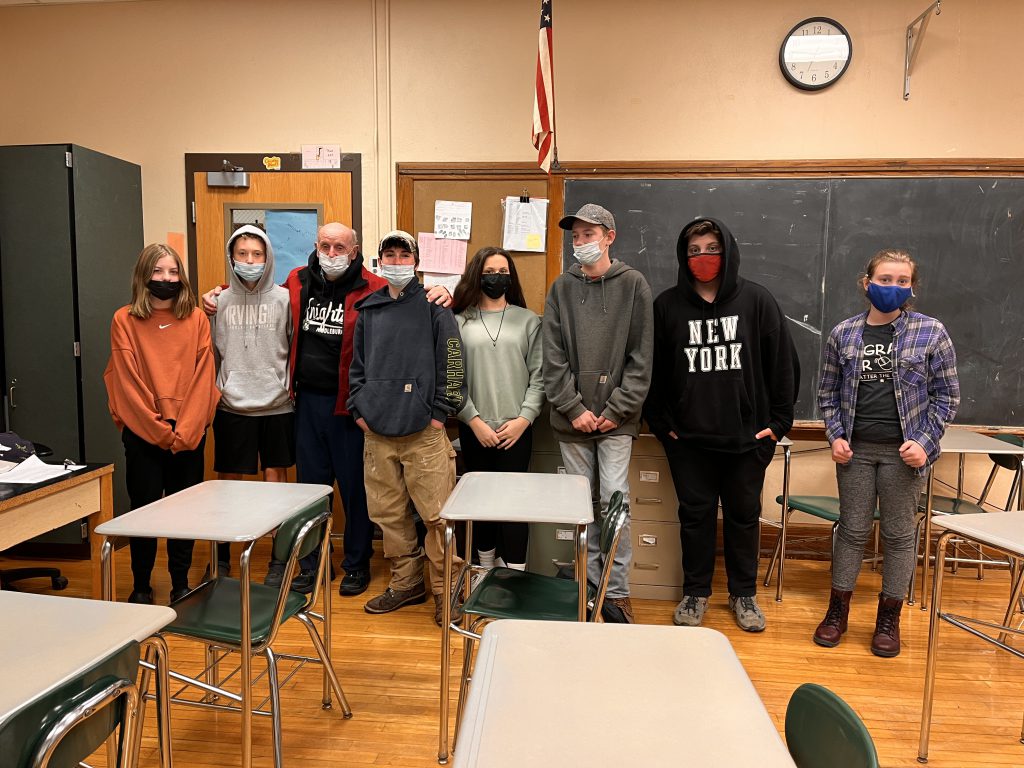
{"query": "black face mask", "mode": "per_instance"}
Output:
(164, 289)
(495, 285)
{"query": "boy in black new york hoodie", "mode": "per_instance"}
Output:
(722, 394)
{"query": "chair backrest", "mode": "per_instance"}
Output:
(297, 537)
(69, 723)
(1007, 460)
(823, 731)
(611, 531)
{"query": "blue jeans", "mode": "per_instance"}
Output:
(329, 448)
(606, 460)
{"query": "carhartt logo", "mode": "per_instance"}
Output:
(166, 326)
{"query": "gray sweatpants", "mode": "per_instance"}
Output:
(876, 472)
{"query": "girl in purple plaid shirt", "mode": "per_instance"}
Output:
(888, 389)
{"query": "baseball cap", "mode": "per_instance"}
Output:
(396, 238)
(590, 213)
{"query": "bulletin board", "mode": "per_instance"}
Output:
(419, 187)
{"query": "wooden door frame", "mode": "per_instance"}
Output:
(290, 162)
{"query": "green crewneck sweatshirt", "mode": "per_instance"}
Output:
(503, 365)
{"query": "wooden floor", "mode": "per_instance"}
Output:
(389, 664)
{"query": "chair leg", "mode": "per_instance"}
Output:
(918, 527)
(774, 558)
(325, 657)
(874, 555)
(275, 705)
(150, 656)
(464, 680)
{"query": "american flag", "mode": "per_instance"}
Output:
(544, 95)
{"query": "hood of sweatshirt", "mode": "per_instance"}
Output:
(588, 285)
(266, 281)
(730, 278)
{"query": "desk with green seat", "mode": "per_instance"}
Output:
(513, 497)
(235, 615)
(823, 731)
(58, 652)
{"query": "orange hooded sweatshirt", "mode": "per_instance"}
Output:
(162, 369)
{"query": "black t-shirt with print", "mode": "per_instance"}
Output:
(321, 323)
(876, 419)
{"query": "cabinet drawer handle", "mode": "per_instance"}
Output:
(645, 567)
(648, 500)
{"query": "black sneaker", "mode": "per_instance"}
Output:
(141, 597)
(275, 574)
(180, 592)
(303, 583)
(354, 583)
(393, 599)
(223, 570)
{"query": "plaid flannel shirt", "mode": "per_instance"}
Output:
(927, 388)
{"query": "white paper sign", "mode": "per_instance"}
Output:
(525, 226)
(321, 156)
(448, 281)
(452, 219)
(441, 256)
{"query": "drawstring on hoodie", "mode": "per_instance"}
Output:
(583, 294)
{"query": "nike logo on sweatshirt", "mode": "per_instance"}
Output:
(166, 326)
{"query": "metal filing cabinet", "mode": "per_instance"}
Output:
(657, 569)
(548, 542)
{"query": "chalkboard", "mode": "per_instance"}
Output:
(808, 239)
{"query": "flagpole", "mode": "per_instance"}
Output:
(554, 132)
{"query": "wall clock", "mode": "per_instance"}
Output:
(815, 53)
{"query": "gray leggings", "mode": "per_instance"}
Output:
(876, 472)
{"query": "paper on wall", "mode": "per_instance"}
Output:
(448, 281)
(441, 255)
(525, 227)
(452, 219)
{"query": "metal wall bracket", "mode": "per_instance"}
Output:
(915, 36)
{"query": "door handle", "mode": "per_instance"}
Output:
(10, 394)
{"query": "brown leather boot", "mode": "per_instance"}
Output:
(832, 627)
(886, 641)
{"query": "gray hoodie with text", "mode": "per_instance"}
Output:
(251, 338)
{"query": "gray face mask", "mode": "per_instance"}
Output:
(333, 266)
(588, 253)
(398, 275)
(248, 272)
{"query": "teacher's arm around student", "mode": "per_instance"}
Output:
(889, 387)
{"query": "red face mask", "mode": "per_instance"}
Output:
(706, 267)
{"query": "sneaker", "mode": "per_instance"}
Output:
(748, 616)
(141, 597)
(354, 583)
(179, 592)
(303, 583)
(690, 612)
(624, 606)
(393, 599)
(439, 608)
(275, 574)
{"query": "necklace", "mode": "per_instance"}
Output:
(494, 338)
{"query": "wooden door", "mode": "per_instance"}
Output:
(333, 195)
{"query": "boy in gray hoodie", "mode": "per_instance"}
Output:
(598, 341)
(255, 424)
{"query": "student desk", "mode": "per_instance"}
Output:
(556, 693)
(523, 497)
(29, 510)
(962, 442)
(221, 510)
(47, 640)
(1003, 532)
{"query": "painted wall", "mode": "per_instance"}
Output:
(409, 80)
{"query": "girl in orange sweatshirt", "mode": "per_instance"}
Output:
(162, 395)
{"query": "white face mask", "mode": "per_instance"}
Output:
(398, 274)
(333, 266)
(588, 253)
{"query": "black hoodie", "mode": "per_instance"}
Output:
(723, 370)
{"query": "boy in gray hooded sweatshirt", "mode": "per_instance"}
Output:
(255, 424)
(598, 340)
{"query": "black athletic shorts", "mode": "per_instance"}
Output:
(245, 444)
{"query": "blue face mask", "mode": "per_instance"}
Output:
(888, 298)
(249, 272)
